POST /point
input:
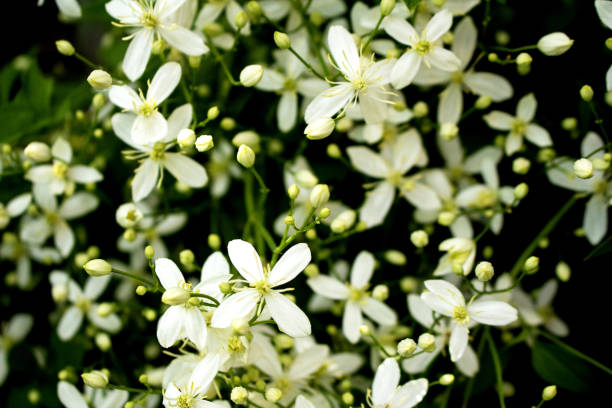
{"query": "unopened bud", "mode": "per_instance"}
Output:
(420, 109)
(406, 347)
(334, 151)
(253, 9)
(549, 392)
(149, 252)
(293, 191)
(311, 270)
(563, 271)
(65, 48)
(554, 44)
(239, 395)
(251, 75)
(325, 212)
(343, 221)
(386, 7)
(446, 218)
(449, 131)
(95, 379)
(319, 195)
(225, 288)
(531, 265)
(204, 143)
(103, 341)
(583, 168)
(289, 220)
(395, 257)
(521, 165)
(484, 271)
(365, 330)
(447, 379)
(520, 191)
(348, 398)
(427, 342)
(97, 267)
(187, 257)
(38, 151)
(273, 394)
(241, 19)
(100, 80)
(175, 296)
(245, 156)
(186, 138)
(483, 102)
(419, 238)
(141, 290)
(380, 292)
(320, 128)
(282, 40)
(306, 179)
(586, 93)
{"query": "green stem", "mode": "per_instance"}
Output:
(133, 276)
(577, 353)
(202, 295)
(498, 369)
(86, 61)
(221, 61)
(380, 346)
(518, 49)
(262, 185)
(131, 389)
(374, 32)
(599, 121)
(543, 234)
(306, 64)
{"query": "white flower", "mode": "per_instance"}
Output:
(70, 8)
(357, 296)
(289, 317)
(541, 311)
(20, 253)
(520, 125)
(192, 393)
(444, 298)
(52, 221)
(82, 302)
(386, 392)
(211, 11)
(290, 80)
(395, 159)
(426, 48)
(70, 397)
(461, 253)
(149, 126)
(595, 222)
(149, 174)
(14, 332)
(488, 84)
(58, 177)
(365, 83)
(151, 19)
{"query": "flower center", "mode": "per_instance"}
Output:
(394, 177)
(159, 151)
(83, 304)
(289, 84)
(518, 127)
(423, 47)
(486, 198)
(149, 20)
(359, 84)
(600, 186)
(60, 169)
(147, 108)
(460, 315)
(235, 345)
(262, 286)
(283, 384)
(457, 77)
(184, 401)
(51, 218)
(357, 294)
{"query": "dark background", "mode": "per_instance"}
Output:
(583, 302)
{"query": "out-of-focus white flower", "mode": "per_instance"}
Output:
(151, 19)
(14, 332)
(70, 396)
(444, 298)
(70, 8)
(520, 125)
(424, 49)
(289, 317)
(194, 390)
(541, 311)
(357, 296)
(554, 44)
(461, 253)
(386, 391)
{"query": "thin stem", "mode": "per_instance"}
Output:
(202, 295)
(221, 61)
(131, 389)
(498, 369)
(86, 61)
(550, 225)
(380, 346)
(262, 185)
(518, 49)
(599, 121)
(306, 64)
(133, 276)
(576, 352)
(374, 32)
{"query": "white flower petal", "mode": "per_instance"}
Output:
(526, 107)
(458, 342)
(514, 142)
(492, 312)
(179, 119)
(379, 312)
(468, 363)
(377, 204)
(494, 86)
(184, 40)
(246, 260)
(329, 102)
(410, 394)
(287, 111)
(195, 327)
(287, 315)
(595, 221)
(70, 396)
(451, 104)
(186, 170)
(439, 24)
(464, 41)
(400, 30)
(293, 261)
(385, 382)
(405, 69)
(329, 287)
(70, 323)
(78, 205)
(362, 270)
(238, 305)
(137, 54)
(84, 174)
(145, 179)
(343, 50)
(604, 10)
(443, 59)
(423, 197)
(351, 321)
(443, 296)
(368, 162)
(149, 129)
(164, 82)
(63, 237)
(537, 135)
(110, 323)
(169, 326)
(420, 311)
(169, 275)
(499, 120)
(95, 286)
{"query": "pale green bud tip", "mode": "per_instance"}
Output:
(408, 284)
(449, 130)
(228, 124)
(282, 40)
(483, 102)
(245, 156)
(64, 47)
(38, 151)
(289, 220)
(241, 19)
(532, 264)
(141, 290)
(100, 80)
(212, 113)
(129, 404)
(97, 267)
(273, 394)
(555, 44)
(420, 109)
(306, 179)
(484, 271)
(427, 342)
(395, 257)
(149, 252)
(320, 128)
(521, 165)
(523, 59)
(204, 143)
(293, 191)
(549, 392)
(447, 379)
(214, 241)
(419, 238)
(446, 218)
(325, 212)
(187, 257)
(563, 271)
(334, 151)
(34, 396)
(569, 123)
(251, 75)
(386, 7)
(380, 292)
(143, 379)
(365, 330)
(406, 347)
(254, 9)
(520, 191)
(348, 398)
(239, 395)
(319, 195)
(186, 138)
(95, 379)
(583, 168)
(175, 296)
(586, 93)
(311, 270)
(225, 287)
(103, 341)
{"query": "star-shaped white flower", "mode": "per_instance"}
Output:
(262, 283)
(386, 392)
(192, 393)
(444, 298)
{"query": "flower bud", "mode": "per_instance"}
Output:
(447, 379)
(380, 292)
(253, 9)
(449, 131)
(563, 271)
(420, 109)
(483, 102)
(95, 379)
(419, 238)
(186, 138)
(204, 143)
(484, 271)
(333, 151)
(273, 394)
(97, 267)
(103, 341)
(408, 284)
(38, 151)
(586, 93)
(65, 48)
(521, 165)
(225, 288)
(325, 212)
(520, 191)
(141, 290)
(554, 44)
(306, 179)
(282, 40)
(59, 293)
(246, 137)
(251, 75)
(395, 257)
(406, 347)
(98, 102)
(523, 63)
(187, 257)
(446, 218)
(320, 128)
(100, 80)
(311, 270)
(245, 156)
(293, 191)
(583, 168)
(493, 57)
(348, 398)
(214, 242)
(149, 252)
(319, 195)
(386, 7)
(289, 220)
(531, 265)
(343, 221)
(241, 19)
(175, 296)
(427, 342)
(239, 395)
(104, 309)
(365, 330)
(549, 392)
(128, 215)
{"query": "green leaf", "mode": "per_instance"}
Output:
(556, 366)
(601, 249)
